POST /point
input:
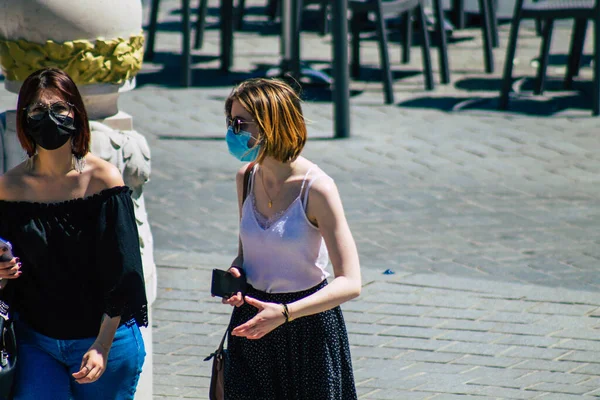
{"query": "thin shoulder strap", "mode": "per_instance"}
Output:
(304, 179)
(305, 194)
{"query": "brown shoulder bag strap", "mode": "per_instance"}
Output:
(247, 180)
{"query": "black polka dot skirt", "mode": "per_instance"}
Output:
(305, 359)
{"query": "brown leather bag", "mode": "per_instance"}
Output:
(217, 378)
(220, 356)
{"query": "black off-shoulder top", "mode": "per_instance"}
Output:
(80, 259)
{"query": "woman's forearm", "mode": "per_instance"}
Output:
(340, 290)
(108, 327)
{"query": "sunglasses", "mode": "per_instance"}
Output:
(236, 124)
(36, 111)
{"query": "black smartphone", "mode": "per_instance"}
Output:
(224, 284)
(7, 255)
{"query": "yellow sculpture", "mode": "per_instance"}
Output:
(104, 61)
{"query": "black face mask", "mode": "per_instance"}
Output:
(51, 131)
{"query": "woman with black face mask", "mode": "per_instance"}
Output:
(76, 288)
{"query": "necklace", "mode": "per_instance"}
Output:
(267, 193)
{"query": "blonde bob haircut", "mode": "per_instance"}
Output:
(277, 111)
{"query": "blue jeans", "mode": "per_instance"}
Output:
(45, 365)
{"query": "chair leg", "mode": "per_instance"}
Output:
(355, 23)
(425, 49)
(544, 56)
(200, 24)
(186, 51)
(240, 10)
(596, 90)
(576, 51)
(324, 17)
(458, 11)
(384, 57)
(272, 9)
(152, 29)
(407, 26)
(443, 49)
(510, 56)
(486, 29)
(226, 34)
(493, 6)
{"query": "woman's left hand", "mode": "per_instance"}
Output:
(269, 317)
(93, 364)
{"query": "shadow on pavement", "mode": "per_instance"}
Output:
(519, 104)
(170, 76)
(523, 101)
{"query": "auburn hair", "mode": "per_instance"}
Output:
(57, 81)
(277, 110)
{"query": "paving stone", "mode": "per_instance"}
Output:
(423, 322)
(590, 369)
(430, 356)
(525, 329)
(437, 368)
(561, 396)
(582, 333)
(520, 318)
(453, 313)
(537, 353)
(587, 356)
(565, 309)
(466, 336)
(534, 341)
(465, 325)
(476, 349)
(412, 332)
(487, 361)
(552, 377)
(574, 344)
(507, 393)
(559, 388)
(545, 365)
(417, 344)
(397, 394)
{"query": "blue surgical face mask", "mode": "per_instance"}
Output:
(238, 145)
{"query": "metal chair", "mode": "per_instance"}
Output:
(186, 54)
(576, 52)
(548, 11)
(227, 16)
(489, 26)
(360, 11)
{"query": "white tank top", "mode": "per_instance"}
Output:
(285, 253)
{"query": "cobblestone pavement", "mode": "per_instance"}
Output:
(488, 219)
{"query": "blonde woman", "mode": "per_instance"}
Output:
(288, 338)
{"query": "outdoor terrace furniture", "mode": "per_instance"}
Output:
(576, 51)
(360, 10)
(227, 14)
(548, 11)
(459, 16)
(489, 26)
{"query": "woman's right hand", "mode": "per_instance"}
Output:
(237, 299)
(10, 269)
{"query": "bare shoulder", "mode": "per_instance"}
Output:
(104, 175)
(12, 183)
(323, 189)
